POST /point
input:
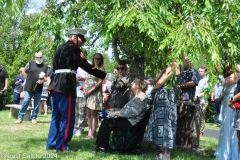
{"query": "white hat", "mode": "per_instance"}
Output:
(77, 31)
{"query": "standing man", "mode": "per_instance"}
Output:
(80, 107)
(3, 84)
(200, 98)
(33, 87)
(216, 97)
(66, 60)
(186, 131)
(18, 81)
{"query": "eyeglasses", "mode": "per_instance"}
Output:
(120, 68)
(39, 57)
(97, 58)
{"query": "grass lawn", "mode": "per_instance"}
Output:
(28, 141)
(210, 126)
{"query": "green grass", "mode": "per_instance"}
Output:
(210, 126)
(28, 141)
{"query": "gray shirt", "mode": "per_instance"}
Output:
(135, 109)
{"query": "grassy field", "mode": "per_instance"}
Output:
(210, 126)
(28, 141)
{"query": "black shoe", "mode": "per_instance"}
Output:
(97, 149)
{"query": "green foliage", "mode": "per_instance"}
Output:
(15, 34)
(141, 32)
(209, 117)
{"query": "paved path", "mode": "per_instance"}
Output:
(211, 133)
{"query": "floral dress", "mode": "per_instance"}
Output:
(95, 100)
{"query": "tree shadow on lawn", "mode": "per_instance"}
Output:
(89, 145)
(81, 146)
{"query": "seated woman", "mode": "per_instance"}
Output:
(131, 114)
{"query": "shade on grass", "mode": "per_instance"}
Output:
(28, 140)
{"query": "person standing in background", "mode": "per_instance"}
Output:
(120, 88)
(200, 99)
(80, 107)
(187, 135)
(162, 125)
(33, 87)
(44, 96)
(227, 148)
(94, 98)
(216, 97)
(18, 81)
(3, 84)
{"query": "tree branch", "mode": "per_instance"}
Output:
(94, 40)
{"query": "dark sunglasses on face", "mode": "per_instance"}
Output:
(39, 57)
(120, 68)
(97, 58)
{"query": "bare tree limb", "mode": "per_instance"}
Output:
(94, 40)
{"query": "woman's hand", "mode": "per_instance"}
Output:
(230, 104)
(146, 82)
(86, 93)
(175, 68)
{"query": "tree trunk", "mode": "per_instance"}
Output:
(136, 68)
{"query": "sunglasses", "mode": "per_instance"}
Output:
(39, 57)
(120, 68)
(97, 58)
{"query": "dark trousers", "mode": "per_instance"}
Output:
(62, 123)
(1, 100)
(107, 126)
(217, 108)
(188, 121)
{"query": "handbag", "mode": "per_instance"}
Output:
(237, 105)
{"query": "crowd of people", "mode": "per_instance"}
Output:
(75, 89)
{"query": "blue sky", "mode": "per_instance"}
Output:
(34, 5)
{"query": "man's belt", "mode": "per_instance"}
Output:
(64, 71)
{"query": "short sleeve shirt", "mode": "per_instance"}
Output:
(190, 75)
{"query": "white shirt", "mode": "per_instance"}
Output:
(80, 73)
(202, 84)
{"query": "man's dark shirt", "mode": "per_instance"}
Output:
(33, 76)
(3, 77)
(190, 75)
